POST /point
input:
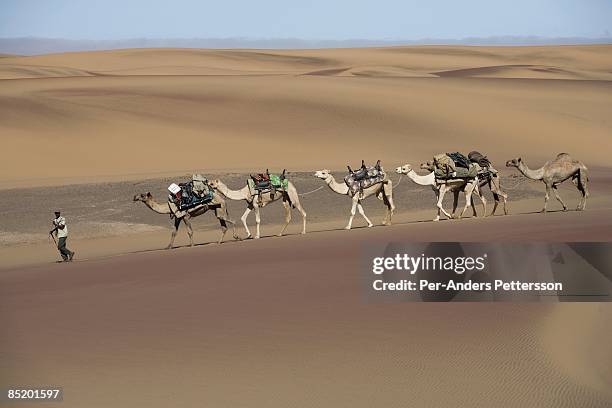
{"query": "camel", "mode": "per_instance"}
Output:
(556, 172)
(383, 191)
(492, 182)
(440, 189)
(290, 199)
(217, 204)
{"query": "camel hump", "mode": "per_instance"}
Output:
(563, 156)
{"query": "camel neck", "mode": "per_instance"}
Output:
(157, 207)
(242, 194)
(428, 180)
(340, 188)
(529, 173)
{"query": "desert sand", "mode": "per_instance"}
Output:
(282, 321)
(161, 111)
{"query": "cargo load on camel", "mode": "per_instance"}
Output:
(453, 166)
(365, 177)
(262, 183)
(477, 157)
(194, 193)
(487, 170)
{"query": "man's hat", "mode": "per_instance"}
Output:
(57, 211)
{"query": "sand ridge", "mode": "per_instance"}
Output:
(593, 61)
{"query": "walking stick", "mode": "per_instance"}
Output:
(51, 235)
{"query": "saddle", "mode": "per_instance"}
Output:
(364, 177)
(363, 172)
(261, 180)
(266, 182)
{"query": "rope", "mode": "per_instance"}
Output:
(310, 192)
(399, 180)
(520, 182)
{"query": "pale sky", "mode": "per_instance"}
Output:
(316, 19)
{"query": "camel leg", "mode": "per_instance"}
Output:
(491, 184)
(388, 200)
(353, 210)
(391, 208)
(360, 207)
(559, 198)
(189, 230)
(584, 180)
(483, 200)
(583, 198)
(495, 187)
(455, 201)
(576, 182)
(581, 184)
(468, 199)
(257, 221)
(385, 201)
(177, 223)
(287, 217)
(443, 189)
(223, 223)
(244, 221)
(295, 200)
(504, 196)
(495, 203)
(546, 197)
(437, 192)
(222, 215)
(301, 210)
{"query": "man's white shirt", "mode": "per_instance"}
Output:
(59, 221)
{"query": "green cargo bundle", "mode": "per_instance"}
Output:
(275, 180)
(278, 183)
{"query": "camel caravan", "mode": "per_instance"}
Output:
(447, 172)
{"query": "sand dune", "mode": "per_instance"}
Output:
(514, 71)
(16, 71)
(164, 111)
(593, 62)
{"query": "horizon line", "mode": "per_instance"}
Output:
(32, 45)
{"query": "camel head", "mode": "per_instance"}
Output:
(428, 165)
(144, 197)
(514, 162)
(323, 174)
(405, 169)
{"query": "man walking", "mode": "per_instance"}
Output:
(61, 231)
